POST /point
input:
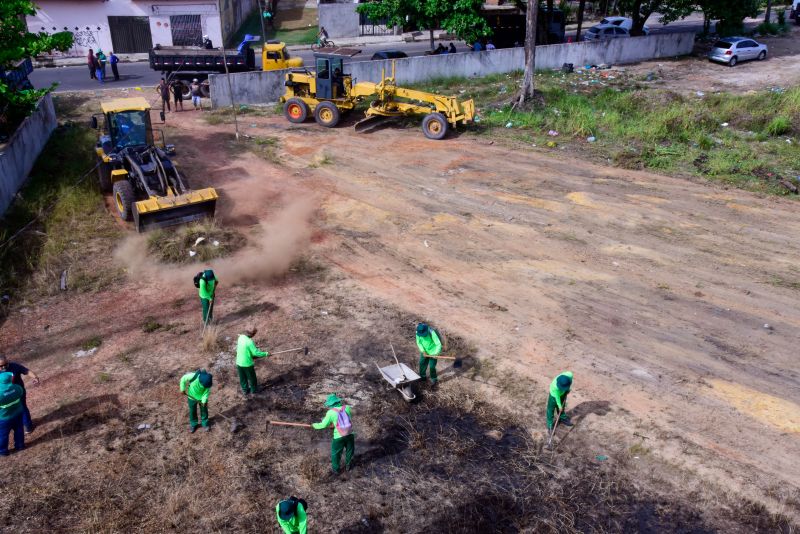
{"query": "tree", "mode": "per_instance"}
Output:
(17, 43)
(640, 11)
(581, 9)
(528, 89)
(461, 17)
(730, 15)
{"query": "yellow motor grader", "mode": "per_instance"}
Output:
(146, 185)
(329, 92)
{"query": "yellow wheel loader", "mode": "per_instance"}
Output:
(146, 185)
(327, 92)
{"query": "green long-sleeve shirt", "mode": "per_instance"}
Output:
(430, 345)
(557, 393)
(195, 388)
(330, 419)
(246, 350)
(295, 525)
(207, 288)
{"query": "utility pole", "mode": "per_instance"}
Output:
(263, 30)
(230, 89)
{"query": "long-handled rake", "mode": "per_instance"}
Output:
(298, 349)
(553, 430)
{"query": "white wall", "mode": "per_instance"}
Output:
(90, 17)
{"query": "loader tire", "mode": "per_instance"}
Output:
(434, 126)
(123, 199)
(104, 176)
(327, 114)
(295, 110)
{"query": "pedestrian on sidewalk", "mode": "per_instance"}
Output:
(559, 389)
(196, 95)
(90, 59)
(344, 438)
(196, 385)
(102, 59)
(163, 90)
(429, 344)
(477, 47)
(177, 94)
(490, 45)
(114, 60)
(451, 49)
(291, 514)
(206, 283)
(10, 414)
(246, 350)
(17, 370)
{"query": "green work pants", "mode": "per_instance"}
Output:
(552, 406)
(348, 444)
(247, 379)
(208, 311)
(424, 362)
(193, 413)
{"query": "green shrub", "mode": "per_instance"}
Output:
(779, 125)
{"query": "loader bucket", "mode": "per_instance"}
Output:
(160, 212)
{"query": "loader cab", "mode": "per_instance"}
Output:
(129, 128)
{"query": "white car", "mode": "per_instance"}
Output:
(624, 22)
(605, 31)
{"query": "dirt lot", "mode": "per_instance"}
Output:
(672, 301)
(698, 74)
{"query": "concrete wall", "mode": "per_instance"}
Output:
(264, 87)
(88, 19)
(19, 154)
(339, 20)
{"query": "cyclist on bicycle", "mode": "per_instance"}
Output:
(322, 36)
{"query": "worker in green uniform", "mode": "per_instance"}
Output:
(196, 385)
(344, 439)
(246, 350)
(429, 344)
(559, 389)
(206, 288)
(291, 514)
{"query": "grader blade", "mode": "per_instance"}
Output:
(371, 122)
(161, 212)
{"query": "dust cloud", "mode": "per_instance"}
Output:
(272, 248)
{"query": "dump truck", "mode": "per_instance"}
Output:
(146, 185)
(328, 92)
(189, 62)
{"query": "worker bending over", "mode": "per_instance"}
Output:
(429, 344)
(559, 389)
(292, 515)
(196, 386)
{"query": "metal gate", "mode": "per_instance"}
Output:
(186, 30)
(374, 27)
(130, 35)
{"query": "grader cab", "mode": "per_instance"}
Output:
(329, 92)
(146, 185)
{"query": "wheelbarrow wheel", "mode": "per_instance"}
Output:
(408, 393)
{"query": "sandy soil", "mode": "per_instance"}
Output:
(672, 301)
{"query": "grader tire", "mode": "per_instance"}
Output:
(434, 126)
(123, 199)
(327, 114)
(295, 110)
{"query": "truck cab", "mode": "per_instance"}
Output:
(275, 56)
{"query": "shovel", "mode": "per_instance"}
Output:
(457, 362)
(286, 423)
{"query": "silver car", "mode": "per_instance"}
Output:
(732, 50)
(605, 31)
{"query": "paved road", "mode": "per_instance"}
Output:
(140, 75)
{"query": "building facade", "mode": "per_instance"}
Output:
(127, 26)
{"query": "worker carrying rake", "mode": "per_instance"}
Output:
(196, 385)
(430, 346)
(559, 389)
(206, 283)
(344, 439)
(246, 350)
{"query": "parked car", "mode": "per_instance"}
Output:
(605, 31)
(389, 54)
(624, 22)
(794, 13)
(732, 50)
